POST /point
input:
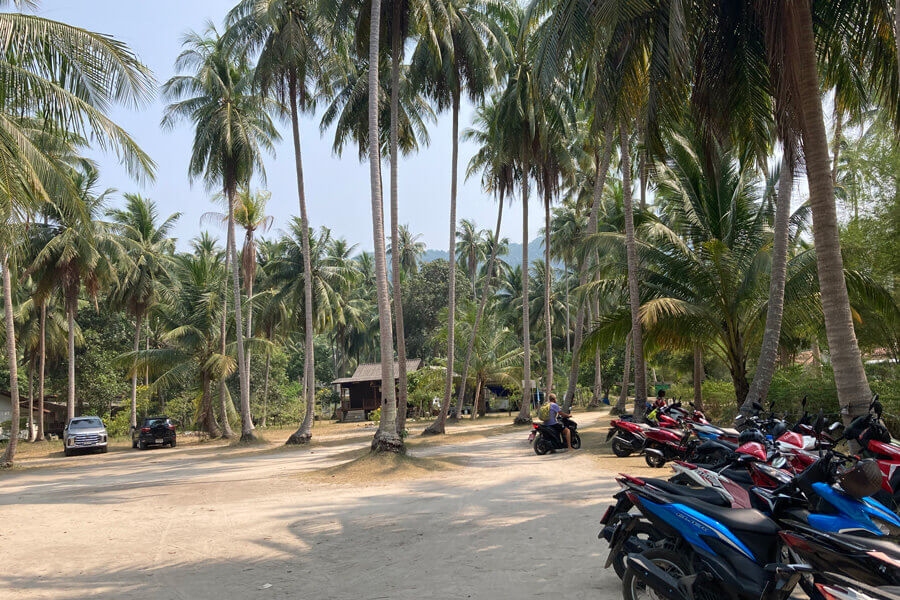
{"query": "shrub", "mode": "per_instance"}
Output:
(375, 415)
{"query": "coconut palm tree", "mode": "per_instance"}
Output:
(250, 215)
(411, 250)
(80, 254)
(149, 251)
(190, 346)
(289, 35)
(233, 128)
(75, 75)
(456, 61)
(497, 166)
(471, 247)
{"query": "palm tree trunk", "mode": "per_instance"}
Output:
(619, 408)
(246, 417)
(584, 268)
(207, 414)
(482, 303)
(765, 366)
(816, 356)
(475, 401)
(304, 433)
(524, 416)
(568, 320)
(137, 346)
(42, 349)
(249, 320)
(634, 297)
(266, 393)
(853, 390)
(70, 391)
(897, 32)
(224, 400)
(838, 129)
(699, 376)
(31, 400)
(439, 424)
(395, 218)
(10, 452)
(548, 282)
(386, 438)
(598, 365)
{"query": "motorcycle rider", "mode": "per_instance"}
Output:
(555, 411)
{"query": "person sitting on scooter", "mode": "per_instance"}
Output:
(555, 411)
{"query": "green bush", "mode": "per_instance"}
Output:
(375, 415)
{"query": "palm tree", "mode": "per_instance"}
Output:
(454, 62)
(497, 166)
(289, 37)
(765, 366)
(471, 247)
(79, 254)
(410, 250)
(191, 318)
(75, 75)
(148, 249)
(250, 214)
(232, 129)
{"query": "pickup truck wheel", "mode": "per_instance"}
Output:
(172, 445)
(104, 449)
(67, 452)
(142, 445)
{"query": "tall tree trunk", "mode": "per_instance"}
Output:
(602, 167)
(897, 32)
(838, 131)
(224, 399)
(634, 297)
(477, 408)
(768, 353)
(249, 321)
(524, 416)
(42, 349)
(138, 317)
(207, 414)
(598, 364)
(70, 349)
(548, 282)
(816, 356)
(619, 408)
(386, 438)
(698, 377)
(10, 453)
(30, 437)
(246, 417)
(395, 218)
(304, 433)
(482, 303)
(853, 390)
(265, 414)
(568, 320)
(439, 424)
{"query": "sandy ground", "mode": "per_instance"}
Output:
(471, 517)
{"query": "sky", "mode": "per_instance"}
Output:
(337, 188)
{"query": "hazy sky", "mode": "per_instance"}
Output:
(337, 188)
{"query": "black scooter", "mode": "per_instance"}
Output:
(547, 438)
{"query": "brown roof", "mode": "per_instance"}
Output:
(372, 371)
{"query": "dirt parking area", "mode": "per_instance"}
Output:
(474, 515)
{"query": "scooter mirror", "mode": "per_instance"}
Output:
(879, 409)
(803, 403)
(820, 422)
(757, 406)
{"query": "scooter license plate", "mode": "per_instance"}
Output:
(606, 515)
(531, 437)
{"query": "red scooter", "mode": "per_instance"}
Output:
(873, 437)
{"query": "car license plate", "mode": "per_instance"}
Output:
(159, 440)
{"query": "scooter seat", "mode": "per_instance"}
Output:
(730, 431)
(705, 495)
(737, 519)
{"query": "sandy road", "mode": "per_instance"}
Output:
(190, 525)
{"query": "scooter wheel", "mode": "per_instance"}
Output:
(673, 563)
(645, 532)
(576, 441)
(654, 461)
(541, 446)
(620, 448)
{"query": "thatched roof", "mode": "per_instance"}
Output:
(372, 371)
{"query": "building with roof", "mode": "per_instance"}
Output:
(361, 392)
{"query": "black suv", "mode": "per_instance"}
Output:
(154, 431)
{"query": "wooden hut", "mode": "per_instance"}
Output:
(361, 392)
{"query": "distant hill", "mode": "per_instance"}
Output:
(513, 257)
